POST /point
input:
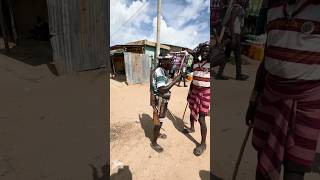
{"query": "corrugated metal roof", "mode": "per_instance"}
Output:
(80, 40)
(149, 43)
(117, 51)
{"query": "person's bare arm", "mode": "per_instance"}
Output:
(260, 78)
(234, 13)
(165, 89)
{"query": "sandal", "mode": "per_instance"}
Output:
(188, 130)
(156, 147)
(163, 136)
(199, 149)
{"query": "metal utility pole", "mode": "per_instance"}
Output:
(158, 31)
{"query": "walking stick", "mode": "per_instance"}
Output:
(243, 146)
(185, 109)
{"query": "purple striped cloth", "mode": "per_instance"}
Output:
(286, 125)
(199, 101)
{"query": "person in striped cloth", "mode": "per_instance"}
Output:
(199, 94)
(161, 86)
(284, 108)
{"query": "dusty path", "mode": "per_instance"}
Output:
(131, 128)
(50, 127)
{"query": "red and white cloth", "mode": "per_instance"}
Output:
(199, 95)
(287, 124)
(201, 74)
(291, 52)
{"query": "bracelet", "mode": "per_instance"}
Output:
(254, 96)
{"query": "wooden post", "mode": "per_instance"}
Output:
(12, 21)
(158, 30)
(3, 27)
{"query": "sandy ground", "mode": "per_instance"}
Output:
(51, 128)
(131, 128)
(228, 127)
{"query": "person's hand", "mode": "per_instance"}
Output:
(250, 115)
(178, 74)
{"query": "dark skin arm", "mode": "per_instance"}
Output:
(258, 87)
(165, 89)
(234, 13)
(260, 78)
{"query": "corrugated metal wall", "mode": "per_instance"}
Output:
(137, 68)
(80, 34)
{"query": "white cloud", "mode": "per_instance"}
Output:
(191, 11)
(176, 31)
(120, 13)
(189, 36)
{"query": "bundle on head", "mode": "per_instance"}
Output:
(197, 51)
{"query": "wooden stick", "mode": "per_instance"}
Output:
(13, 24)
(3, 27)
(243, 146)
(185, 109)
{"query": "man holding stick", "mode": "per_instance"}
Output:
(284, 108)
(160, 98)
(199, 94)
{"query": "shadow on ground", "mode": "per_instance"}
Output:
(316, 166)
(105, 171)
(179, 125)
(119, 77)
(147, 125)
(31, 52)
(206, 175)
(122, 174)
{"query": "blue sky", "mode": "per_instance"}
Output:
(184, 22)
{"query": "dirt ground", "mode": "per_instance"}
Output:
(228, 127)
(131, 129)
(51, 128)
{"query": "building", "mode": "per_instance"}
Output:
(78, 30)
(149, 47)
(174, 48)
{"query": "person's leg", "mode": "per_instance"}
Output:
(294, 171)
(259, 175)
(184, 80)
(202, 147)
(203, 128)
(191, 129)
(156, 133)
(220, 75)
(162, 135)
(293, 175)
(237, 52)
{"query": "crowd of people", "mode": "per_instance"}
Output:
(284, 108)
(198, 96)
